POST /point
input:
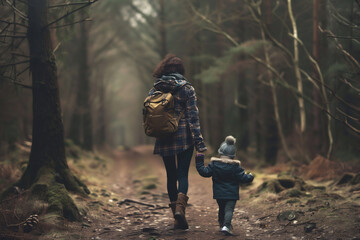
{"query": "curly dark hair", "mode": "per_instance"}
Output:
(170, 64)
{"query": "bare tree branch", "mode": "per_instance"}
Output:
(343, 37)
(350, 85)
(13, 36)
(22, 85)
(15, 23)
(24, 70)
(19, 13)
(71, 12)
(68, 4)
(12, 64)
(322, 82)
(73, 23)
(215, 28)
(57, 47)
(339, 46)
(347, 115)
(5, 28)
(351, 127)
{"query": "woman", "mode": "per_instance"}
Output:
(180, 146)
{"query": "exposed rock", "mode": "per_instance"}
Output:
(346, 178)
(309, 227)
(356, 179)
(105, 194)
(288, 215)
(149, 186)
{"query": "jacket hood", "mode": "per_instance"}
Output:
(225, 160)
(170, 83)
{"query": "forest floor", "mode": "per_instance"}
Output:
(128, 200)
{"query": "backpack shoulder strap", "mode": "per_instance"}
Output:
(183, 111)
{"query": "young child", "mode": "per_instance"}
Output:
(227, 175)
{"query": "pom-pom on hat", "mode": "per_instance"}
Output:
(227, 148)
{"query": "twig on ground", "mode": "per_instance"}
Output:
(263, 217)
(297, 224)
(137, 202)
(107, 210)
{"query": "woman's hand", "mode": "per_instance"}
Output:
(198, 154)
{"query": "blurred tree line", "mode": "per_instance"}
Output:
(281, 76)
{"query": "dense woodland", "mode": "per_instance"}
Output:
(282, 76)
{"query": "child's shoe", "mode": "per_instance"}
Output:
(226, 231)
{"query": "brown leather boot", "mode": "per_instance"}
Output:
(180, 211)
(172, 205)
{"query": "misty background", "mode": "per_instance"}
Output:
(239, 55)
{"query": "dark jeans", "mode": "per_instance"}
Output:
(179, 173)
(226, 210)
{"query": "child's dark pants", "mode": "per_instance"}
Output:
(226, 210)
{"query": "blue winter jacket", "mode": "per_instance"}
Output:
(226, 174)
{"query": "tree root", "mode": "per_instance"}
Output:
(56, 195)
(52, 187)
(292, 185)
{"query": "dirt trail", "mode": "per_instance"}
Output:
(134, 205)
(138, 169)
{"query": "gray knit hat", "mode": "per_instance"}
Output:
(227, 148)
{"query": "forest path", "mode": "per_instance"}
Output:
(137, 173)
(133, 204)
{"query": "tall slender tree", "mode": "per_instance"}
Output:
(81, 125)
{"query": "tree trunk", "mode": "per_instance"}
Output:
(243, 111)
(101, 124)
(315, 145)
(162, 28)
(47, 173)
(81, 121)
(219, 100)
(243, 88)
(75, 123)
(297, 70)
(84, 79)
(272, 137)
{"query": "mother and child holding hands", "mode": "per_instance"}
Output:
(176, 149)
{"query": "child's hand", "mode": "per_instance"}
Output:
(249, 173)
(252, 175)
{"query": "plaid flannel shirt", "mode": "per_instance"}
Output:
(188, 133)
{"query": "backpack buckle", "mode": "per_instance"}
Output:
(164, 101)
